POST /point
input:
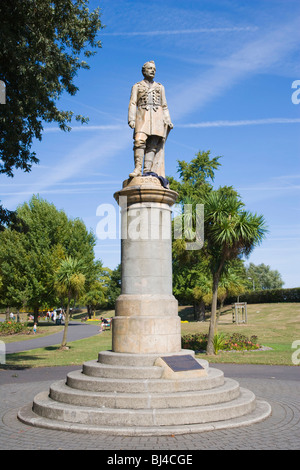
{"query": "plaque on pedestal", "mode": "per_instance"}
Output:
(180, 366)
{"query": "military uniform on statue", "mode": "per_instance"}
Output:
(148, 115)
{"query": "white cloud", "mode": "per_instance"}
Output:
(84, 128)
(245, 122)
(183, 31)
(254, 57)
(93, 149)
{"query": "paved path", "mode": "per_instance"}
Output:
(279, 385)
(76, 330)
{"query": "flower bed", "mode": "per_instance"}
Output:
(239, 342)
(12, 328)
(234, 342)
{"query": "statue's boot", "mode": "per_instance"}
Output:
(138, 161)
(149, 157)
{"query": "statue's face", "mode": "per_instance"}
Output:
(149, 71)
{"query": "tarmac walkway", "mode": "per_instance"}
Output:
(279, 385)
(76, 330)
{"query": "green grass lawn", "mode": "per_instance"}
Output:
(79, 351)
(275, 325)
(44, 329)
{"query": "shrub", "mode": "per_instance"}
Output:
(222, 342)
(196, 342)
(219, 342)
(12, 328)
(239, 342)
(268, 296)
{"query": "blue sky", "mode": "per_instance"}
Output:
(228, 69)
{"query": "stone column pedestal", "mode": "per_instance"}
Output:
(146, 318)
(133, 390)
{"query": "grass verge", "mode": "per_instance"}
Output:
(275, 325)
(79, 351)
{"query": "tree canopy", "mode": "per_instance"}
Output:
(263, 277)
(43, 46)
(30, 260)
(195, 178)
(229, 233)
(69, 281)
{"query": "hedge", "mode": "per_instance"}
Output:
(268, 296)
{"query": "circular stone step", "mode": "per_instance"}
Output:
(44, 406)
(78, 380)
(261, 412)
(95, 369)
(141, 360)
(61, 392)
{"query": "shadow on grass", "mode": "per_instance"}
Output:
(43, 324)
(12, 358)
(25, 360)
(187, 313)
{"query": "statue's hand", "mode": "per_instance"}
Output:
(132, 124)
(169, 124)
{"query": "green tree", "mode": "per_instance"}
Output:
(230, 233)
(114, 287)
(30, 270)
(262, 277)
(15, 289)
(80, 245)
(29, 260)
(192, 281)
(96, 287)
(195, 177)
(43, 46)
(233, 282)
(69, 281)
(191, 278)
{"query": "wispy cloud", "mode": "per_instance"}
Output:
(224, 123)
(273, 184)
(272, 188)
(254, 57)
(182, 31)
(45, 190)
(95, 149)
(86, 127)
(245, 122)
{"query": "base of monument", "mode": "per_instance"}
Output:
(126, 394)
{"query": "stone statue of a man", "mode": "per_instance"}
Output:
(149, 116)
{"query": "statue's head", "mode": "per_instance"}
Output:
(149, 69)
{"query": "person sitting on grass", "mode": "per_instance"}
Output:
(104, 322)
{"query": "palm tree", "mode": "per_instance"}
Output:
(69, 282)
(232, 283)
(202, 294)
(230, 232)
